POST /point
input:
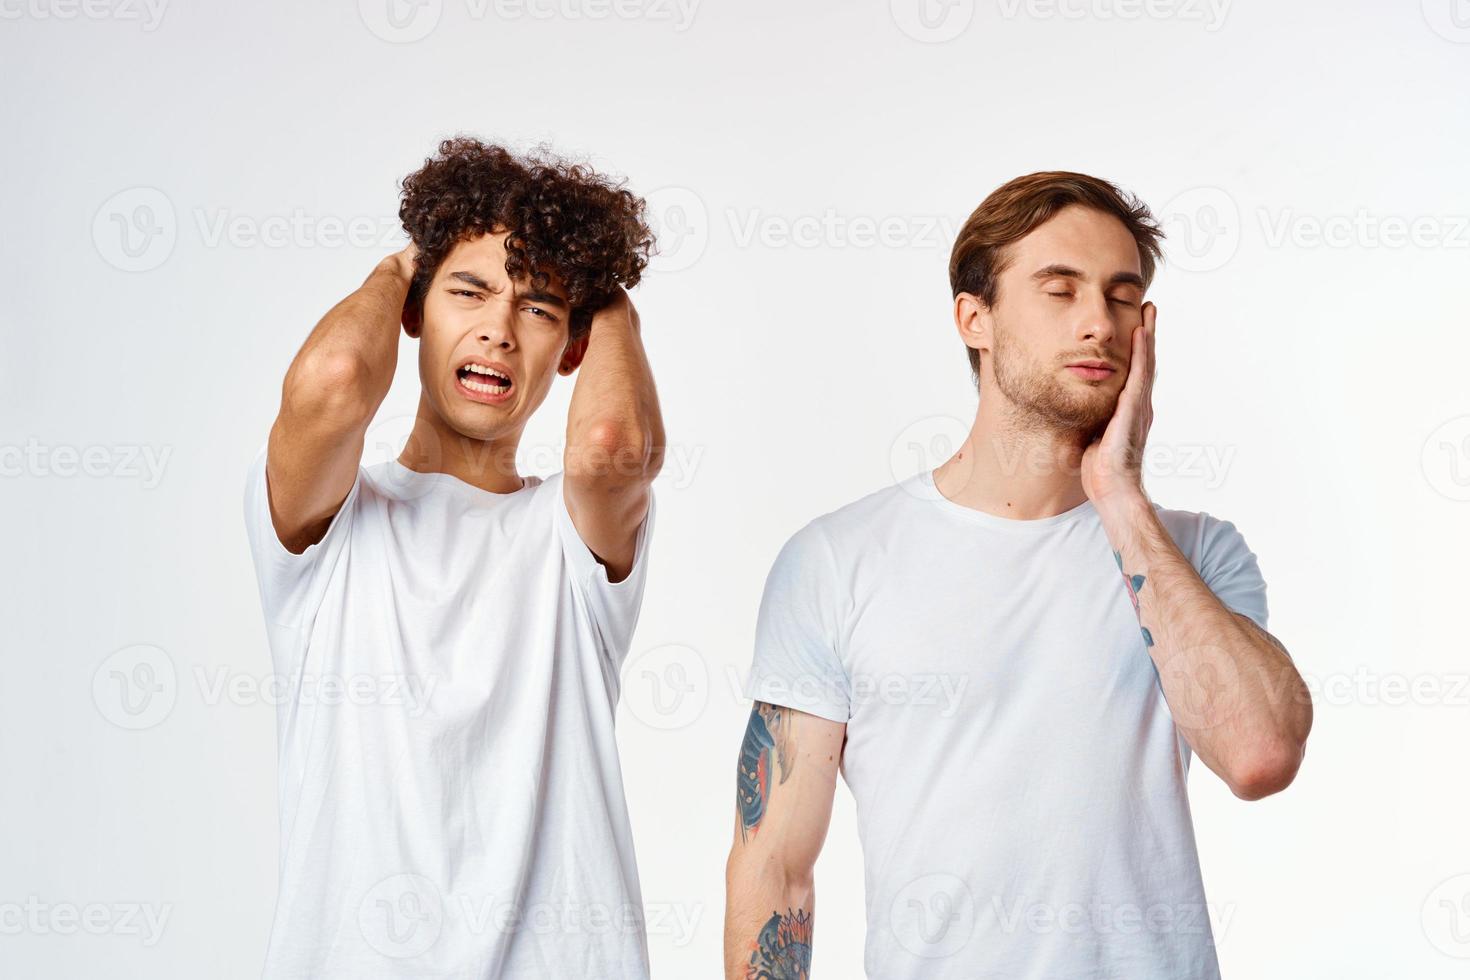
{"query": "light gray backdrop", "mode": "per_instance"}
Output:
(188, 186)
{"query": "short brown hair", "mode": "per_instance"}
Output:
(1015, 209)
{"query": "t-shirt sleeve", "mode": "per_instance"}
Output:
(796, 660)
(291, 585)
(1229, 568)
(613, 606)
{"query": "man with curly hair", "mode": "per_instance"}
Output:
(450, 631)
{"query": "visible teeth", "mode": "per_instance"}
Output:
(481, 369)
(487, 389)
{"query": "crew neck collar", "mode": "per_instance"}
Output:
(922, 486)
(417, 480)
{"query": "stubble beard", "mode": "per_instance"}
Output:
(1042, 402)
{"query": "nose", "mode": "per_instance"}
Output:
(497, 328)
(1095, 320)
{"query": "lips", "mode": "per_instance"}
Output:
(1092, 369)
(484, 381)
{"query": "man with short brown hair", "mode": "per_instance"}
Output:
(1015, 723)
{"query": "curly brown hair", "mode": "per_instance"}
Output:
(563, 219)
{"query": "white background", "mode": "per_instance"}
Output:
(176, 184)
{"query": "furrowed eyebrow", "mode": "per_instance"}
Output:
(545, 299)
(473, 280)
(531, 296)
(1055, 271)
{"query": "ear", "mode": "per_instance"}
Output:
(413, 319)
(973, 321)
(571, 358)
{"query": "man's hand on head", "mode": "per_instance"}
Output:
(402, 265)
(403, 262)
(1112, 467)
(619, 309)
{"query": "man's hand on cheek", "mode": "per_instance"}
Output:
(1112, 467)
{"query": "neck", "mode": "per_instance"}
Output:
(1014, 465)
(434, 447)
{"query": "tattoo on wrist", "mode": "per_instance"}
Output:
(766, 747)
(1135, 585)
(783, 950)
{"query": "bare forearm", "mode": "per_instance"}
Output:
(330, 394)
(615, 430)
(1232, 689)
(768, 919)
(784, 782)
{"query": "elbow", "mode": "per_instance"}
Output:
(335, 386)
(790, 875)
(613, 453)
(1266, 771)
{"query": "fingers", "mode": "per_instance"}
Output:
(1150, 332)
(1150, 319)
(1138, 360)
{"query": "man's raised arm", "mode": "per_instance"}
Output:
(332, 390)
(785, 781)
(1231, 686)
(615, 438)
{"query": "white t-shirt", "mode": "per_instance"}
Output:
(451, 800)
(1020, 783)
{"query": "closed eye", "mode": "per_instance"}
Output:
(1111, 299)
(464, 292)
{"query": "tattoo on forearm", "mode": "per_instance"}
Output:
(766, 746)
(783, 950)
(1134, 584)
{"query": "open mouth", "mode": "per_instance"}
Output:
(485, 381)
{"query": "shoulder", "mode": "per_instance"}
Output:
(852, 528)
(547, 492)
(1200, 535)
